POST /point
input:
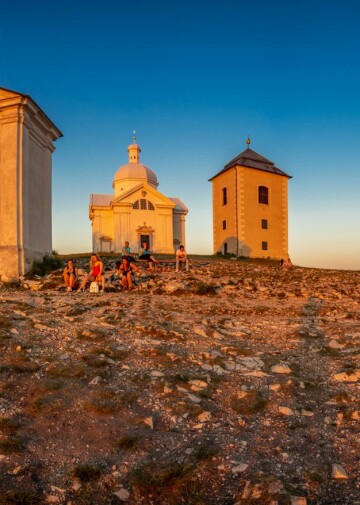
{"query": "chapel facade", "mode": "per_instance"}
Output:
(26, 146)
(250, 208)
(136, 212)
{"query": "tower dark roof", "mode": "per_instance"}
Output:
(251, 159)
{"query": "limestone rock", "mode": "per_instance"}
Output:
(338, 472)
(239, 468)
(149, 422)
(286, 411)
(355, 415)
(334, 344)
(204, 416)
(198, 385)
(156, 374)
(298, 500)
(194, 398)
(123, 494)
(346, 377)
(96, 381)
(174, 286)
(281, 368)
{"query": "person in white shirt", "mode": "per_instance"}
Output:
(181, 258)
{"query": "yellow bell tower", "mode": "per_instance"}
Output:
(250, 207)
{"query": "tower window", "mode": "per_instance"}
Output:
(264, 224)
(143, 205)
(264, 246)
(224, 196)
(264, 195)
(224, 224)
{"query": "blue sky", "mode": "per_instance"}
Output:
(194, 78)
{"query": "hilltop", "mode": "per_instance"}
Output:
(234, 383)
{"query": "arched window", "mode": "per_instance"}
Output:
(264, 195)
(143, 204)
(224, 196)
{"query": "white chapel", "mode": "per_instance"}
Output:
(136, 212)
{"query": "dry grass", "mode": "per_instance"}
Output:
(24, 366)
(48, 403)
(107, 402)
(9, 425)
(67, 369)
(253, 403)
(206, 451)
(21, 497)
(94, 334)
(127, 442)
(162, 476)
(202, 288)
(94, 360)
(11, 445)
(4, 322)
(87, 473)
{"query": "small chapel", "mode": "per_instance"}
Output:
(250, 207)
(136, 212)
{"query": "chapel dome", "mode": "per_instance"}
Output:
(136, 171)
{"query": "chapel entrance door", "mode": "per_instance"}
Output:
(145, 238)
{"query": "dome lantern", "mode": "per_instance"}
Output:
(133, 172)
(134, 150)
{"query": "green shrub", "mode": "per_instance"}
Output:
(48, 264)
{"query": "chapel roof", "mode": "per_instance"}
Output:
(251, 159)
(28, 99)
(136, 171)
(179, 204)
(101, 200)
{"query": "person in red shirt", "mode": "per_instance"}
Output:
(96, 273)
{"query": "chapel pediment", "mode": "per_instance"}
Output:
(143, 192)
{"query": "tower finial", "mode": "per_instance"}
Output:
(248, 141)
(134, 136)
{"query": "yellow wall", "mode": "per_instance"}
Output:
(243, 213)
(275, 213)
(121, 223)
(224, 212)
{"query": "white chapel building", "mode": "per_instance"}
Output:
(136, 212)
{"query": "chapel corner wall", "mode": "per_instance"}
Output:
(26, 144)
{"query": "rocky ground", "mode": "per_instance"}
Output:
(234, 383)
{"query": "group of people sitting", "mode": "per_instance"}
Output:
(124, 269)
(286, 263)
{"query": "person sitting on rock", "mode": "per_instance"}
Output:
(70, 276)
(126, 251)
(145, 254)
(126, 273)
(96, 273)
(286, 263)
(289, 263)
(181, 258)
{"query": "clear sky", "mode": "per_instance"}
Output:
(194, 78)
